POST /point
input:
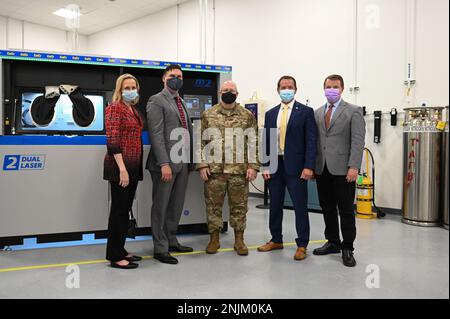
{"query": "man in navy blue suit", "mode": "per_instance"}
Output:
(296, 139)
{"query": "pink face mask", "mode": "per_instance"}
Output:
(333, 95)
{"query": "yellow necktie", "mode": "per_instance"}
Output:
(283, 126)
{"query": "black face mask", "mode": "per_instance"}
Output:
(229, 98)
(175, 84)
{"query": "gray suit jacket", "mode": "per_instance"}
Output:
(342, 145)
(163, 117)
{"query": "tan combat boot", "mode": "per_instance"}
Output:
(214, 243)
(239, 244)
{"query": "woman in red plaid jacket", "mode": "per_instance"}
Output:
(122, 166)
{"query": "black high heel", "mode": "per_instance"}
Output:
(129, 266)
(133, 258)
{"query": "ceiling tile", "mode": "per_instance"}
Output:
(94, 12)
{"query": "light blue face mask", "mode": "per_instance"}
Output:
(129, 95)
(287, 95)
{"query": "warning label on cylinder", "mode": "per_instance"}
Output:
(421, 129)
(23, 162)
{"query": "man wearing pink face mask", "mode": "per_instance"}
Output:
(340, 146)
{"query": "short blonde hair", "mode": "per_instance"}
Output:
(117, 96)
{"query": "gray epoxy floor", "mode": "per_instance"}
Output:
(413, 263)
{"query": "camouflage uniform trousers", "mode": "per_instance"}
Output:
(236, 185)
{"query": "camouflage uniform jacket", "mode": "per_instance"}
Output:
(219, 119)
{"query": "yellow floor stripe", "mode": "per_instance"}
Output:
(92, 262)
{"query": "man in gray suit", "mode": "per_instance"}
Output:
(167, 112)
(340, 147)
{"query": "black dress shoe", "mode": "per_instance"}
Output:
(166, 258)
(347, 258)
(129, 266)
(133, 258)
(181, 249)
(328, 248)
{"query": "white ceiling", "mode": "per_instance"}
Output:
(97, 15)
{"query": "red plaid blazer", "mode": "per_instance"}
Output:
(123, 136)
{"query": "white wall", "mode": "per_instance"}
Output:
(15, 34)
(432, 52)
(266, 39)
(153, 37)
(3, 37)
(380, 71)
(382, 61)
(169, 35)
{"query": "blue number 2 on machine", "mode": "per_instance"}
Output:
(23, 162)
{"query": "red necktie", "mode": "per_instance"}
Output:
(328, 116)
(180, 110)
(183, 121)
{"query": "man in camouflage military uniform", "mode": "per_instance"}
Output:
(234, 131)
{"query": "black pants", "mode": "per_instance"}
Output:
(335, 192)
(121, 204)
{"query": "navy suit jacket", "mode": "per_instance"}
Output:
(301, 138)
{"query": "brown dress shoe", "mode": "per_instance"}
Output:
(300, 253)
(270, 246)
